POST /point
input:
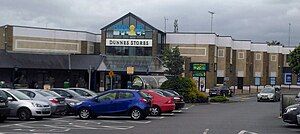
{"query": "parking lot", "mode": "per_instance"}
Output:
(71, 124)
(242, 116)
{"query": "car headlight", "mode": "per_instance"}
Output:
(291, 109)
(36, 105)
(258, 95)
(75, 104)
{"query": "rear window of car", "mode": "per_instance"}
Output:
(145, 95)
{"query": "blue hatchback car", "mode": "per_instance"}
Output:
(127, 102)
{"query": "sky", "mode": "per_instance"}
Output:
(255, 20)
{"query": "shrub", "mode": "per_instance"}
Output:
(219, 99)
(186, 87)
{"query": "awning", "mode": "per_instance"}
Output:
(48, 61)
(140, 64)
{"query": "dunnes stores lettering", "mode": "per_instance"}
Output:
(129, 42)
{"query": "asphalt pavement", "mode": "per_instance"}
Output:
(244, 116)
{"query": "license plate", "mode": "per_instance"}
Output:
(45, 109)
(61, 102)
(213, 93)
(2, 104)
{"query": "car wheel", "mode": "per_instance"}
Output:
(258, 100)
(84, 113)
(38, 118)
(155, 111)
(24, 114)
(137, 114)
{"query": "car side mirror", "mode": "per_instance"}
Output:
(10, 99)
(297, 96)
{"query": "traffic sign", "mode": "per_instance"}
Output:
(111, 73)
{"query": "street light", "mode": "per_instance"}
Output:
(211, 19)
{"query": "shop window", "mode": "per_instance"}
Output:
(257, 81)
(272, 80)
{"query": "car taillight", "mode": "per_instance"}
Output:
(177, 99)
(54, 100)
(143, 100)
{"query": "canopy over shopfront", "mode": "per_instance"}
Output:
(148, 82)
(145, 64)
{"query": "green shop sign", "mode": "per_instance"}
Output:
(198, 74)
(199, 66)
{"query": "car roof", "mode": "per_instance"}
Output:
(129, 90)
(5, 89)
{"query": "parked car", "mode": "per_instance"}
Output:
(69, 94)
(220, 91)
(4, 110)
(160, 103)
(127, 102)
(179, 100)
(269, 94)
(297, 98)
(179, 103)
(24, 107)
(83, 92)
(70, 102)
(291, 113)
(57, 103)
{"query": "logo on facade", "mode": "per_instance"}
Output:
(130, 30)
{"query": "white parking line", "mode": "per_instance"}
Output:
(84, 127)
(188, 107)
(118, 127)
(141, 122)
(156, 117)
(246, 132)
(54, 126)
(168, 114)
(107, 121)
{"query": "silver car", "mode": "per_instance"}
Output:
(24, 107)
(84, 92)
(58, 104)
(69, 94)
(269, 94)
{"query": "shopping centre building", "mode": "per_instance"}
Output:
(130, 46)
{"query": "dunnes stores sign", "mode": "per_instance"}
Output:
(129, 42)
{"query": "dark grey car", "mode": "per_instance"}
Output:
(69, 94)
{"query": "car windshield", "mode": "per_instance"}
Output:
(19, 95)
(173, 92)
(268, 90)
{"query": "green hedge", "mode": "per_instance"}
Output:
(219, 99)
(185, 87)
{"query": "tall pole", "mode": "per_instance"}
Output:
(90, 71)
(165, 19)
(211, 20)
(289, 34)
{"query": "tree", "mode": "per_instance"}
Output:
(274, 43)
(294, 60)
(173, 61)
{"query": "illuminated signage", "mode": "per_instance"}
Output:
(129, 42)
(131, 30)
(199, 67)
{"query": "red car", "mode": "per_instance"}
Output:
(160, 103)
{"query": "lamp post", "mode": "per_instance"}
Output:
(289, 34)
(211, 19)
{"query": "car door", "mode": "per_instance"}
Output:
(104, 103)
(123, 102)
(12, 104)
